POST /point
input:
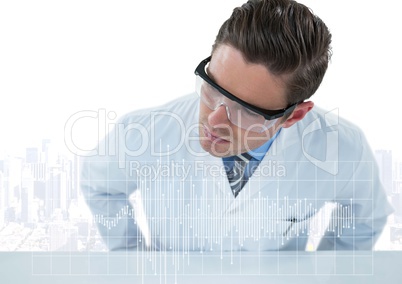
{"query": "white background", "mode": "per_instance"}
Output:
(58, 58)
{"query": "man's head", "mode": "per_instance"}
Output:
(271, 54)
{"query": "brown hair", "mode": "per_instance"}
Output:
(284, 36)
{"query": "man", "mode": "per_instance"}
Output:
(248, 161)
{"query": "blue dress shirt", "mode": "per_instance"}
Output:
(257, 154)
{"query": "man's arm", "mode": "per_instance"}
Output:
(105, 185)
(365, 199)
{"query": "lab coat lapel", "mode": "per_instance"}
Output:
(216, 185)
(213, 184)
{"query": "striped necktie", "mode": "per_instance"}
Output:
(236, 175)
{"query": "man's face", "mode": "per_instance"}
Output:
(252, 83)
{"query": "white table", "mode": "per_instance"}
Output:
(206, 268)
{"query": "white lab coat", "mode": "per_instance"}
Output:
(152, 186)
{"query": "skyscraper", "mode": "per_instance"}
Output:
(31, 155)
(27, 195)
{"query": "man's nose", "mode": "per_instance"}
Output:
(218, 116)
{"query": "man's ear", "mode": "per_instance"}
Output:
(298, 113)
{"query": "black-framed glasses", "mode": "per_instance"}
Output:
(211, 94)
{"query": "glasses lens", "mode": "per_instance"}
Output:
(209, 95)
(237, 113)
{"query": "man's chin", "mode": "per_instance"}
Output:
(216, 150)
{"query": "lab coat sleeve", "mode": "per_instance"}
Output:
(361, 208)
(106, 186)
